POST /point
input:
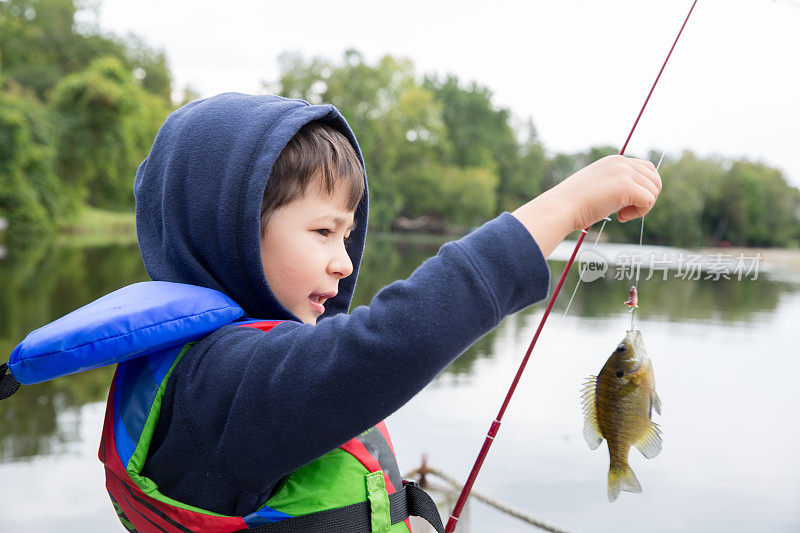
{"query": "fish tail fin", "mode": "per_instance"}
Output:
(621, 477)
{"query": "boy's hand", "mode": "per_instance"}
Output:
(615, 183)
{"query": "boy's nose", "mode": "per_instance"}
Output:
(340, 265)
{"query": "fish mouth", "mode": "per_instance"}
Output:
(635, 344)
(633, 338)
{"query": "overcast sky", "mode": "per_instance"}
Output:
(580, 68)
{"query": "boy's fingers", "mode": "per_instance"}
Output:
(647, 163)
(627, 213)
(630, 213)
(648, 170)
(641, 202)
(647, 183)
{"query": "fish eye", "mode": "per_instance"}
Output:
(620, 373)
(621, 347)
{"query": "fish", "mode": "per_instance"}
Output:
(618, 406)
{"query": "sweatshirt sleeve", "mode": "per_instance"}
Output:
(280, 399)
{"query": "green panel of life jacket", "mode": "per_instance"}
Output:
(334, 480)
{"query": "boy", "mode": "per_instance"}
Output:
(264, 199)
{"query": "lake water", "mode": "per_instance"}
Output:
(726, 361)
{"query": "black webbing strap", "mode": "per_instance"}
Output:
(8, 385)
(411, 500)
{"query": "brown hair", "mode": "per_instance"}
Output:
(317, 151)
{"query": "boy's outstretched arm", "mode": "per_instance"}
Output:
(248, 407)
(614, 183)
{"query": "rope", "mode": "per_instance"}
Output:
(497, 504)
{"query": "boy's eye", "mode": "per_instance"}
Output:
(327, 232)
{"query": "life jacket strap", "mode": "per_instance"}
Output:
(8, 385)
(411, 500)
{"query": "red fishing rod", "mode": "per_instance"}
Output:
(495, 426)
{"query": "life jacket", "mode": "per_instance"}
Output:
(355, 488)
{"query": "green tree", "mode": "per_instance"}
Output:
(528, 176)
(30, 198)
(149, 66)
(677, 218)
(559, 167)
(460, 195)
(37, 41)
(753, 206)
(482, 136)
(442, 148)
(475, 129)
(41, 42)
(398, 122)
(468, 194)
(106, 124)
(79, 110)
(596, 153)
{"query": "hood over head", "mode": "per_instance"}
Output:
(199, 191)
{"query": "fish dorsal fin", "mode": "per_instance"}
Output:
(591, 431)
(650, 443)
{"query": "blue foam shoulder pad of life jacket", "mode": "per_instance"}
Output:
(130, 322)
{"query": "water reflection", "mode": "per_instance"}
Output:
(43, 283)
(675, 299)
(33, 421)
(388, 258)
(39, 284)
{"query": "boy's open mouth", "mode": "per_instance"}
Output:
(319, 298)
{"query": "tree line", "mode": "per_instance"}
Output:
(436, 146)
(79, 110)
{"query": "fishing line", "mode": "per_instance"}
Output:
(639, 267)
(575, 291)
(546, 357)
(495, 425)
(563, 319)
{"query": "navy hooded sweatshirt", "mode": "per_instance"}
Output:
(244, 408)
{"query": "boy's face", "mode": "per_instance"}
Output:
(303, 252)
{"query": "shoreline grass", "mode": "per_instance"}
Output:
(92, 226)
(96, 227)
